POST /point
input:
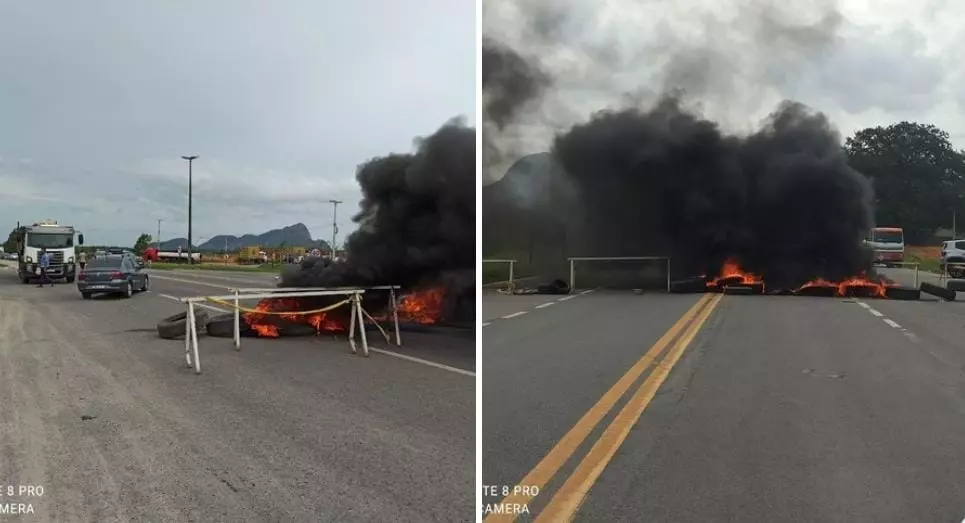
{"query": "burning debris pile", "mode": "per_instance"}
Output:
(733, 279)
(416, 230)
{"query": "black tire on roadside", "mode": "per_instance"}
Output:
(696, 285)
(903, 293)
(292, 330)
(223, 326)
(172, 327)
(85, 295)
(937, 290)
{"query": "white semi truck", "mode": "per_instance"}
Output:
(57, 239)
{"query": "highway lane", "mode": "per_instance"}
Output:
(780, 409)
(106, 417)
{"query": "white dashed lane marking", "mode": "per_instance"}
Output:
(541, 306)
(888, 321)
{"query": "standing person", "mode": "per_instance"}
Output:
(82, 260)
(44, 265)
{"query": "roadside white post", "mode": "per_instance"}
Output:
(916, 275)
(358, 310)
(668, 274)
(188, 312)
(572, 275)
(194, 341)
(237, 321)
(395, 316)
(512, 279)
(351, 330)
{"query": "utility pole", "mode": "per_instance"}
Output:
(157, 239)
(190, 160)
(334, 223)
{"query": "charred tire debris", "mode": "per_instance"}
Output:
(900, 293)
(173, 327)
(903, 293)
(937, 290)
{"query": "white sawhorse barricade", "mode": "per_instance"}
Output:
(354, 300)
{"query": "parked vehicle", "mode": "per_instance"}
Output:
(119, 274)
(888, 244)
(953, 258)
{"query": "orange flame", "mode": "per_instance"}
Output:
(732, 274)
(264, 326)
(423, 306)
(851, 286)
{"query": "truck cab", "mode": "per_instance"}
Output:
(58, 240)
(888, 244)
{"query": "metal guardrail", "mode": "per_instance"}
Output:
(614, 258)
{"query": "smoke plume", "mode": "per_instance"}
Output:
(416, 222)
(511, 84)
(653, 120)
(782, 200)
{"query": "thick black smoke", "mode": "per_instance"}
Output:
(782, 201)
(509, 82)
(416, 223)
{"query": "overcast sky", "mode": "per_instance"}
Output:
(863, 63)
(281, 100)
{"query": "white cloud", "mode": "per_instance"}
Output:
(281, 102)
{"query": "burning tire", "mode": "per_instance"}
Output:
(903, 293)
(955, 285)
(738, 290)
(223, 326)
(936, 290)
(173, 327)
(690, 286)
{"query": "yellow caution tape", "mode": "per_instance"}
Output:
(275, 313)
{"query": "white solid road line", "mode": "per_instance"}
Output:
(485, 323)
(192, 282)
(570, 297)
(422, 361)
(205, 305)
(544, 305)
(514, 315)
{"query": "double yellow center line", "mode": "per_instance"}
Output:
(567, 500)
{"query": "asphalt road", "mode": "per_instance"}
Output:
(105, 416)
(778, 409)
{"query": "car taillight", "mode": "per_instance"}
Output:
(117, 275)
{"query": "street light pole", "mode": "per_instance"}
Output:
(157, 240)
(334, 223)
(190, 160)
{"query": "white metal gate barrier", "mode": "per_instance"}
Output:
(353, 299)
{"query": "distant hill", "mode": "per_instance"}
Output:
(296, 235)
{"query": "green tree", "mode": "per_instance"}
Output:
(917, 175)
(11, 244)
(143, 241)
